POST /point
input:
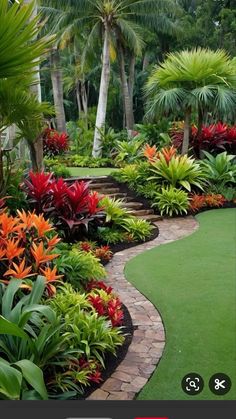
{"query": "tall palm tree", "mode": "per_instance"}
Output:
(199, 80)
(19, 48)
(109, 20)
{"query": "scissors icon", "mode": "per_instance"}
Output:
(219, 384)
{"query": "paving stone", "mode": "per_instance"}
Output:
(112, 384)
(98, 395)
(148, 341)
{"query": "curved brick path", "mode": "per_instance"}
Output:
(148, 341)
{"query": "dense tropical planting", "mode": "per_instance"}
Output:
(128, 85)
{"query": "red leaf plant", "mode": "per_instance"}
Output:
(70, 206)
(107, 304)
(55, 143)
(212, 138)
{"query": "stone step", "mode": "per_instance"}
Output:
(107, 191)
(142, 212)
(133, 205)
(97, 179)
(151, 217)
(118, 195)
(104, 185)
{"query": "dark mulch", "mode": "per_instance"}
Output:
(124, 245)
(111, 361)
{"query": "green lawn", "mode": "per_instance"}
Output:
(86, 171)
(193, 284)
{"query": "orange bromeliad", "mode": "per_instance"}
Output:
(12, 249)
(43, 226)
(40, 254)
(20, 271)
(150, 152)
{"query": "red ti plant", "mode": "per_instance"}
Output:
(55, 143)
(71, 206)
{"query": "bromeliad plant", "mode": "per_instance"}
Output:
(178, 171)
(72, 207)
(27, 244)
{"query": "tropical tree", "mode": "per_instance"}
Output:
(112, 22)
(19, 106)
(199, 80)
(19, 48)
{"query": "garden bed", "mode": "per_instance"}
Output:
(112, 361)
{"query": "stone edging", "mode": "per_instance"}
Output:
(148, 342)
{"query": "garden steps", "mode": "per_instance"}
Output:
(133, 205)
(152, 218)
(105, 185)
(142, 212)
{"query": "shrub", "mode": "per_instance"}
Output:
(73, 207)
(139, 230)
(128, 151)
(213, 138)
(113, 209)
(60, 171)
(197, 202)
(27, 245)
(79, 267)
(179, 171)
(172, 201)
(110, 235)
(55, 143)
(220, 169)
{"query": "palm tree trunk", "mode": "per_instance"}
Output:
(187, 126)
(1, 165)
(36, 90)
(77, 90)
(132, 76)
(146, 61)
(57, 86)
(103, 96)
(129, 116)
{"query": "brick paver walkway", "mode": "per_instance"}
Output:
(148, 341)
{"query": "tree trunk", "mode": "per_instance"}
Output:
(132, 76)
(187, 126)
(146, 61)
(36, 90)
(77, 90)
(199, 132)
(1, 165)
(125, 91)
(57, 86)
(103, 96)
(36, 153)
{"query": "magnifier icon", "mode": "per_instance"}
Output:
(192, 384)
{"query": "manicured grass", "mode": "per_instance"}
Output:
(86, 171)
(192, 283)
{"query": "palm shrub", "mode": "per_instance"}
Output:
(172, 201)
(180, 171)
(220, 169)
(199, 80)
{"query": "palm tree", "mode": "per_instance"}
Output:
(57, 88)
(110, 21)
(199, 80)
(17, 54)
(19, 48)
